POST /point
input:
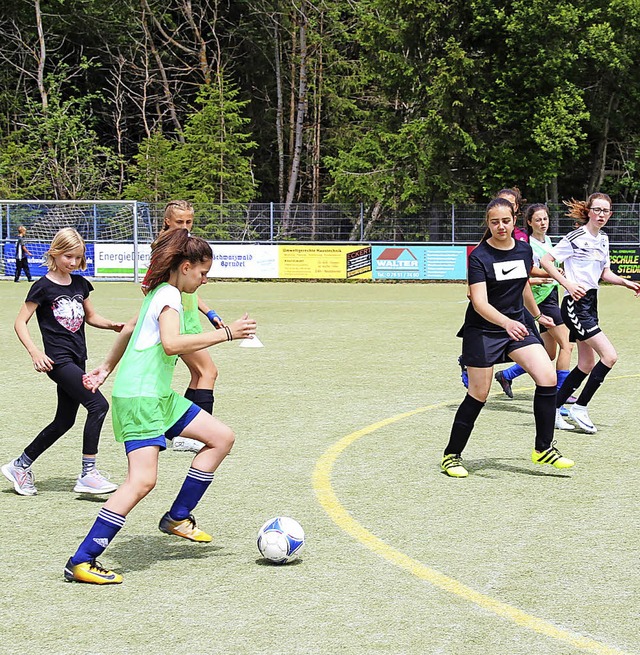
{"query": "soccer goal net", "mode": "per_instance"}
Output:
(117, 233)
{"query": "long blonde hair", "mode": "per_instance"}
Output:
(65, 240)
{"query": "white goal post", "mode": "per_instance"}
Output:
(118, 233)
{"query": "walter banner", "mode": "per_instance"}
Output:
(419, 262)
(325, 262)
(625, 262)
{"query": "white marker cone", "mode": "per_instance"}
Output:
(251, 343)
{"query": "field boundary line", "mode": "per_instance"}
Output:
(331, 504)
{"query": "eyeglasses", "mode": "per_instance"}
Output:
(600, 211)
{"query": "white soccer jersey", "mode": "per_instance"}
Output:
(584, 256)
(149, 334)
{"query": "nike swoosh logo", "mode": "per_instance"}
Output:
(506, 272)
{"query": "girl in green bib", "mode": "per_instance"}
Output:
(145, 409)
(179, 214)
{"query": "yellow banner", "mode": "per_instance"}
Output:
(324, 262)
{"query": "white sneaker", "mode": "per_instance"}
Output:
(578, 414)
(181, 444)
(23, 479)
(94, 482)
(561, 424)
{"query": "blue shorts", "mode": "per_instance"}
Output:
(161, 441)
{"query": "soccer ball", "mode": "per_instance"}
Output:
(280, 540)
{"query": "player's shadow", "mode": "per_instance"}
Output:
(141, 552)
(65, 485)
(261, 561)
(515, 406)
(482, 467)
(56, 484)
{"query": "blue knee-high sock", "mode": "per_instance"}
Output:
(106, 527)
(562, 376)
(513, 372)
(193, 488)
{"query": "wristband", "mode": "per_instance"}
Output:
(229, 334)
(536, 318)
(211, 315)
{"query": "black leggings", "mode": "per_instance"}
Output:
(71, 394)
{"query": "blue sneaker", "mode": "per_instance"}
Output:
(464, 375)
(564, 411)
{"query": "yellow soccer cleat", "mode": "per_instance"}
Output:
(186, 528)
(452, 465)
(90, 572)
(553, 457)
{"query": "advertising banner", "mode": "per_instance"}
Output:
(625, 262)
(116, 259)
(325, 262)
(244, 261)
(36, 265)
(419, 262)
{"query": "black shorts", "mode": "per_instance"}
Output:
(550, 307)
(483, 349)
(581, 316)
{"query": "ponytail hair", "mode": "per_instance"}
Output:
(170, 250)
(173, 205)
(517, 196)
(579, 209)
(497, 202)
(530, 211)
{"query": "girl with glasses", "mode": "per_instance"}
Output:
(585, 256)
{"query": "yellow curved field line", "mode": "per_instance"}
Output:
(339, 514)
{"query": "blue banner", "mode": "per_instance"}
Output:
(419, 262)
(37, 250)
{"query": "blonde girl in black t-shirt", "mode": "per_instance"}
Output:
(495, 331)
(60, 301)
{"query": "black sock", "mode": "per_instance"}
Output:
(203, 398)
(544, 411)
(463, 424)
(596, 378)
(189, 394)
(571, 383)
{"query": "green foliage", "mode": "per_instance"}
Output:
(409, 101)
(212, 164)
(214, 161)
(56, 154)
(153, 170)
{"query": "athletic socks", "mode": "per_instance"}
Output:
(193, 488)
(88, 464)
(24, 461)
(463, 424)
(562, 376)
(571, 383)
(513, 372)
(596, 378)
(106, 527)
(203, 398)
(544, 412)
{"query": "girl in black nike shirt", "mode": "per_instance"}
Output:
(61, 303)
(495, 332)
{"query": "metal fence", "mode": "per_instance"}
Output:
(324, 223)
(113, 221)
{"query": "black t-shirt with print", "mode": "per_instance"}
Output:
(60, 314)
(505, 272)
